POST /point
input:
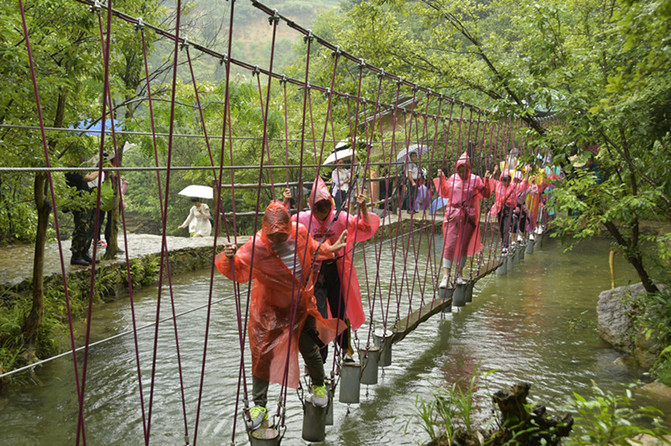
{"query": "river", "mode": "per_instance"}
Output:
(535, 324)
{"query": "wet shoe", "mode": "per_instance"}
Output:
(443, 283)
(79, 260)
(89, 259)
(257, 415)
(320, 397)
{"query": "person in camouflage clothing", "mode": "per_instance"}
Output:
(82, 235)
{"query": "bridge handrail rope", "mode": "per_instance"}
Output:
(417, 128)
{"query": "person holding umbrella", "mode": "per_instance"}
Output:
(198, 220)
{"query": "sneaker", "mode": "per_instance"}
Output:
(512, 245)
(443, 283)
(320, 397)
(347, 358)
(531, 237)
(257, 415)
(461, 281)
(519, 238)
(504, 251)
(102, 243)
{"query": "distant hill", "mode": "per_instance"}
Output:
(252, 34)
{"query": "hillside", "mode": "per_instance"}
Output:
(207, 23)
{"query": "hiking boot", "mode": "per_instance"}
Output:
(320, 396)
(89, 259)
(443, 283)
(257, 415)
(79, 260)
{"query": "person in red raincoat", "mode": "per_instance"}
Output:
(461, 224)
(337, 285)
(506, 207)
(283, 253)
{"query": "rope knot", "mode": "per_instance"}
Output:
(184, 44)
(96, 7)
(309, 37)
(139, 26)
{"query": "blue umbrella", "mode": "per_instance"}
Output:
(97, 127)
(439, 203)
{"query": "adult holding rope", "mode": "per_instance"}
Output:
(337, 286)
(283, 316)
(461, 224)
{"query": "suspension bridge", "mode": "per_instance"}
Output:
(400, 269)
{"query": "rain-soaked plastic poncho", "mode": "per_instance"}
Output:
(271, 301)
(461, 224)
(358, 230)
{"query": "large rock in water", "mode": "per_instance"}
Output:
(614, 320)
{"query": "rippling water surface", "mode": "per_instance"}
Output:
(535, 324)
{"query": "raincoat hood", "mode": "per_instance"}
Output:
(320, 191)
(276, 220)
(464, 160)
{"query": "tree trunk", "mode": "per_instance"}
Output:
(632, 256)
(34, 320)
(32, 323)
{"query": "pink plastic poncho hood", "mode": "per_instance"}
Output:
(358, 229)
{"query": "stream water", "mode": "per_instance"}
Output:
(535, 324)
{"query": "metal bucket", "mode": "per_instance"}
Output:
(314, 422)
(522, 249)
(369, 364)
(350, 384)
(530, 246)
(503, 269)
(382, 339)
(459, 295)
(264, 436)
(509, 261)
(446, 293)
(469, 291)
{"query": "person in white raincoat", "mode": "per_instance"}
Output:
(198, 220)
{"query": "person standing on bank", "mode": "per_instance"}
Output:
(82, 235)
(412, 174)
(283, 316)
(340, 178)
(337, 286)
(461, 224)
(198, 220)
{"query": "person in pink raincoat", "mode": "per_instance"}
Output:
(461, 224)
(282, 293)
(506, 205)
(337, 285)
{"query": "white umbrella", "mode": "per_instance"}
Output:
(197, 191)
(419, 149)
(339, 155)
